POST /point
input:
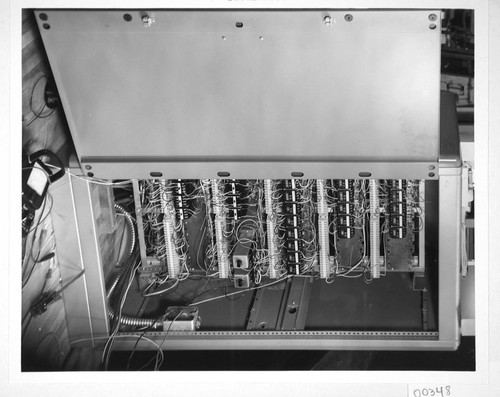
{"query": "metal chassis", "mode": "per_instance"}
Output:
(78, 248)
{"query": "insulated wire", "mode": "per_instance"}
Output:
(154, 293)
(109, 344)
(243, 290)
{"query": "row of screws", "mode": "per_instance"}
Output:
(148, 21)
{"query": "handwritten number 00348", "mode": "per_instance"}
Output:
(432, 392)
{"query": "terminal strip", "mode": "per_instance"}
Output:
(220, 227)
(323, 234)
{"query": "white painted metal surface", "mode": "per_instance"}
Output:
(286, 86)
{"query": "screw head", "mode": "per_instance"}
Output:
(432, 26)
(432, 17)
(348, 17)
(147, 20)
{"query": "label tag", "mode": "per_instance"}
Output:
(429, 390)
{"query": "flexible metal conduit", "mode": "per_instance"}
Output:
(127, 320)
(130, 265)
(130, 223)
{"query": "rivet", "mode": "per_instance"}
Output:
(432, 17)
(348, 17)
(431, 174)
(432, 26)
(88, 167)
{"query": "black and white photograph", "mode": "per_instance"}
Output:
(263, 191)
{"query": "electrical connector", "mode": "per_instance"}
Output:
(45, 299)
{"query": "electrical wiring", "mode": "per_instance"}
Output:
(119, 336)
(160, 292)
(258, 277)
(158, 211)
(38, 114)
(160, 357)
(255, 219)
(48, 197)
(60, 290)
(42, 290)
(367, 278)
(26, 275)
(141, 336)
(40, 304)
(96, 181)
(243, 290)
(109, 344)
(152, 193)
(202, 291)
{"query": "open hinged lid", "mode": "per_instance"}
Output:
(253, 94)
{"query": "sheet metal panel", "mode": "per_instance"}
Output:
(285, 86)
(77, 247)
(293, 340)
(450, 238)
